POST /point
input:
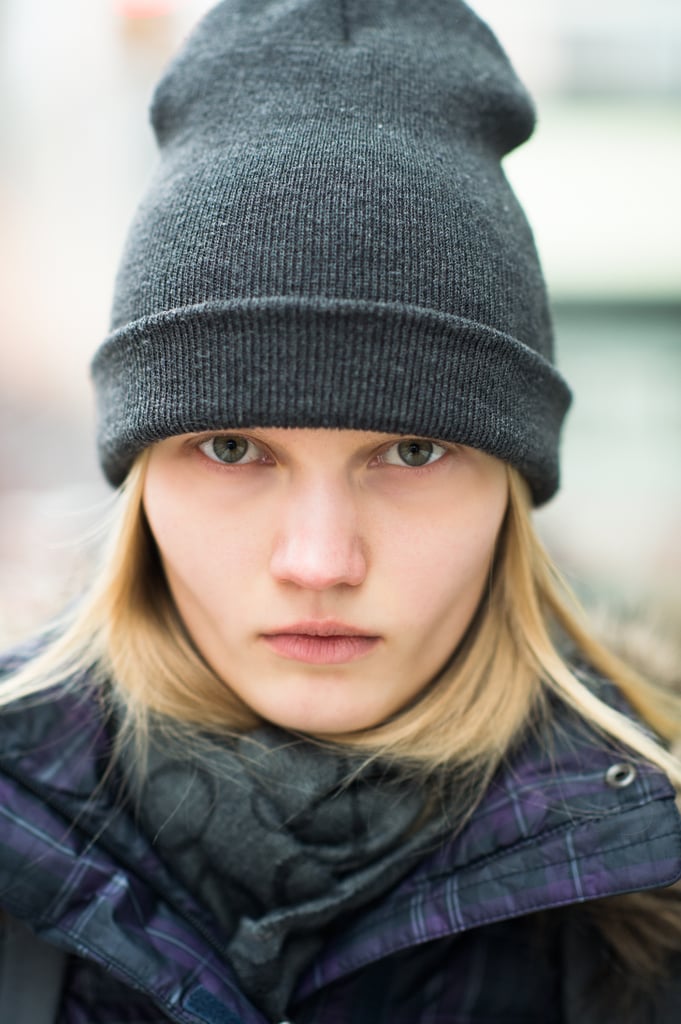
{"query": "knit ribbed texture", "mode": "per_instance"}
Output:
(330, 241)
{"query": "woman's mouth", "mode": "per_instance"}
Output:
(321, 643)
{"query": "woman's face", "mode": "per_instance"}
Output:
(325, 575)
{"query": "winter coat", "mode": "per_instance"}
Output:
(461, 940)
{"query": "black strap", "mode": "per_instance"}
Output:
(31, 975)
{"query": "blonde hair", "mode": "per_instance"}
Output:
(128, 632)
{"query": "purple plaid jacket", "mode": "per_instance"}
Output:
(455, 942)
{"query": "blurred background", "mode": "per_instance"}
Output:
(600, 182)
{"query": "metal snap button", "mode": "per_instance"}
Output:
(620, 775)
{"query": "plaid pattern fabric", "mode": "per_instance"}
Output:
(452, 942)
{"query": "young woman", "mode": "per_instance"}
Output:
(326, 740)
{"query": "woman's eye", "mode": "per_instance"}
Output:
(231, 449)
(413, 452)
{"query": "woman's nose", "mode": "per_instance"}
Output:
(318, 544)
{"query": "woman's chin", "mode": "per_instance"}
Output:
(324, 713)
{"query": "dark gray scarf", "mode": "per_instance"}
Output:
(279, 837)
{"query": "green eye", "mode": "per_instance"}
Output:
(230, 449)
(413, 452)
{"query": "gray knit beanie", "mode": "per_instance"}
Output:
(329, 239)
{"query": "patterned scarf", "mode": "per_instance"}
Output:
(278, 837)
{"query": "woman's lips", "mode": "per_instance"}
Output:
(321, 648)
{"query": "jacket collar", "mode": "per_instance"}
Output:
(74, 866)
(566, 820)
(552, 829)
